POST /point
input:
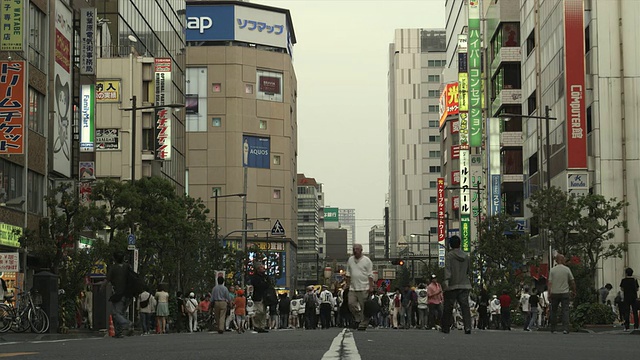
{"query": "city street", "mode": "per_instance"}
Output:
(327, 344)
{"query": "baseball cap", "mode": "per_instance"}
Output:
(433, 276)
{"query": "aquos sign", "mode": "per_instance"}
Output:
(236, 23)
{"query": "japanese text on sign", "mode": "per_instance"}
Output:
(12, 107)
(9, 262)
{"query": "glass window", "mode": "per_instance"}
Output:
(433, 199)
(433, 78)
(216, 122)
(36, 111)
(10, 180)
(434, 93)
(434, 138)
(196, 99)
(37, 38)
(277, 193)
(433, 123)
(216, 191)
(434, 108)
(433, 184)
(270, 85)
(35, 192)
(263, 124)
(216, 87)
(276, 159)
(434, 169)
(248, 88)
(434, 154)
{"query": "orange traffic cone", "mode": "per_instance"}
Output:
(112, 330)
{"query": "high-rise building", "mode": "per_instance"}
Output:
(347, 220)
(241, 121)
(376, 242)
(311, 244)
(416, 61)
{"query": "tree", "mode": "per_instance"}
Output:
(503, 253)
(558, 213)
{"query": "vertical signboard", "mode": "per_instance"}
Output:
(465, 198)
(574, 74)
(448, 102)
(12, 107)
(256, 152)
(493, 128)
(441, 223)
(464, 130)
(465, 233)
(12, 25)
(163, 115)
(87, 118)
(62, 103)
(88, 41)
(475, 92)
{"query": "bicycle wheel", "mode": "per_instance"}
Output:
(39, 320)
(5, 318)
(20, 323)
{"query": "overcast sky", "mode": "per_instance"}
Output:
(341, 62)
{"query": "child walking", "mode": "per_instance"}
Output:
(240, 303)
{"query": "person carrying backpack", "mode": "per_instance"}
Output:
(311, 303)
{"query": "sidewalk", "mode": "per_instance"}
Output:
(29, 336)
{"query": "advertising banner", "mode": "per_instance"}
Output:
(496, 194)
(85, 193)
(163, 86)
(10, 262)
(464, 130)
(331, 215)
(465, 182)
(11, 31)
(455, 177)
(107, 139)
(13, 107)
(10, 235)
(441, 221)
(575, 90)
(87, 118)
(88, 41)
(494, 160)
(448, 102)
(465, 233)
(87, 170)
(62, 104)
(455, 126)
(455, 151)
(463, 92)
(256, 152)
(475, 88)
(455, 203)
(108, 91)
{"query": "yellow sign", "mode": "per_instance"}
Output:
(463, 91)
(10, 235)
(12, 25)
(108, 91)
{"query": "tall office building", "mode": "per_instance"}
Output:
(348, 221)
(416, 60)
(311, 242)
(241, 121)
(376, 242)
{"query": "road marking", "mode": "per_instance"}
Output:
(17, 354)
(343, 347)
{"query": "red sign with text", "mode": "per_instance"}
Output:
(441, 210)
(12, 107)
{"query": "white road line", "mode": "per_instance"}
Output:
(343, 347)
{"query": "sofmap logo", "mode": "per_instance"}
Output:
(201, 23)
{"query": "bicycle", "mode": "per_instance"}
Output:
(28, 314)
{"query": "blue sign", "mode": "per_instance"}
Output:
(256, 152)
(496, 195)
(210, 23)
(131, 239)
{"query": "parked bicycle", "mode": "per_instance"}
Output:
(27, 315)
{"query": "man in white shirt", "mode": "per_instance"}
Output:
(359, 276)
(326, 306)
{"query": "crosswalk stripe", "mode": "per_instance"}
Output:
(343, 347)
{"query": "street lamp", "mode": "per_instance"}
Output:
(134, 108)
(546, 118)
(216, 196)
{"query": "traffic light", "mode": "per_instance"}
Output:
(397, 262)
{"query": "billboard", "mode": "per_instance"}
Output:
(575, 89)
(465, 182)
(108, 91)
(107, 139)
(10, 235)
(13, 106)
(331, 215)
(448, 102)
(256, 152)
(11, 38)
(475, 88)
(494, 161)
(87, 170)
(465, 233)
(162, 131)
(62, 99)
(441, 222)
(88, 41)
(87, 118)
(196, 99)
(269, 85)
(236, 22)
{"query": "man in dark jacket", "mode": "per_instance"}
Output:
(284, 307)
(456, 285)
(260, 282)
(117, 276)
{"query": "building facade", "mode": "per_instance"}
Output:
(376, 242)
(241, 121)
(348, 221)
(311, 244)
(416, 61)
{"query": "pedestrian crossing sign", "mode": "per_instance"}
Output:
(277, 229)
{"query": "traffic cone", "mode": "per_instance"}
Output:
(112, 330)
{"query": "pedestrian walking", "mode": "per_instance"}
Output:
(436, 297)
(220, 297)
(261, 284)
(230, 318)
(145, 300)
(239, 310)
(191, 307)
(326, 306)
(629, 286)
(310, 304)
(397, 308)
(505, 310)
(423, 306)
(88, 306)
(162, 309)
(483, 310)
(534, 301)
(525, 307)
(562, 287)
(284, 308)
(359, 276)
(456, 285)
(117, 276)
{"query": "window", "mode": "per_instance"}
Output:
(215, 191)
(433, 123)
(196, 99)
(433, 214)
(276, 159)
(433, 199)
(531, 42)
(532, 103)
(434, 138)
(36, 111)
(216, 87)
(433, 184)
(434, 169)
(434, 108)
(434, 93)
(263, 124)
(248, 88)
(512, 160)
(587, 39)
(589, 120)
(434, 153)
(433, 230)
(436, 63)
(433, 78)
(37, 38)
(216, 122)
(277, 193)
(270, 85)
(10, 180)
(35, 192)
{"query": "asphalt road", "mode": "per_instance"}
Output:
(332, 344)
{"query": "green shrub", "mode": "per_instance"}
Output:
(592, 314)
